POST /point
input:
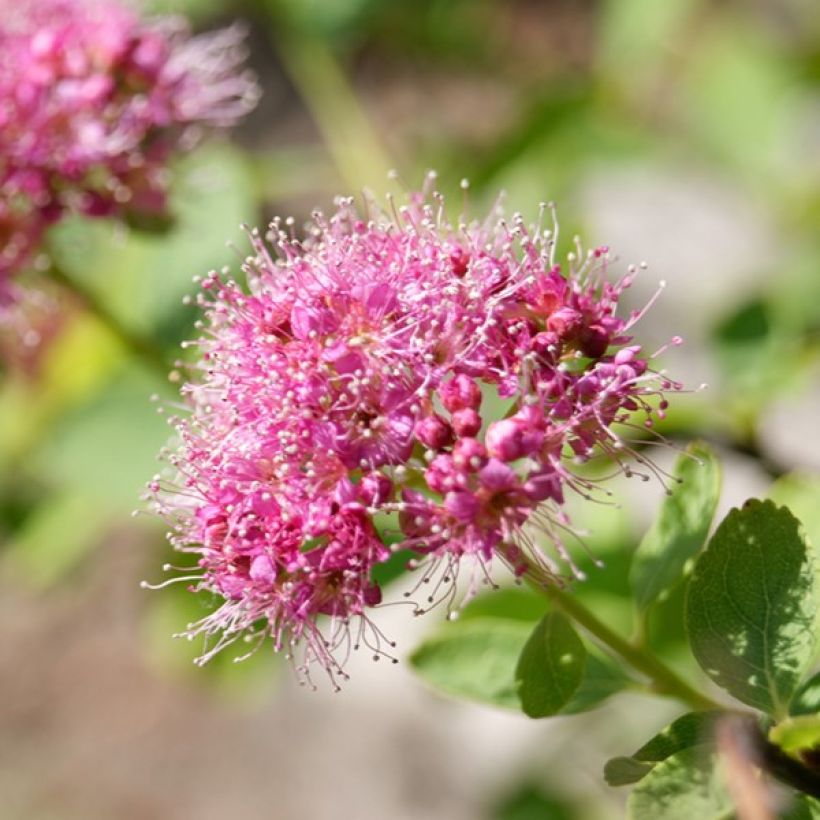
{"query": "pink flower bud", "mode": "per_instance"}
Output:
(442, 474)
(469, 454)
(466, 422)
(434, 432)
(543, 485)
(497, 477)
(626, 354)
(375, 489)
(505, 439)
(460, 392)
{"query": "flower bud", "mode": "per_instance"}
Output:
(460, 392)
(544, 485)
(434, 432)
(497, 477)
(505, 439)
(466, 422)
(469, 454)
(375, 489)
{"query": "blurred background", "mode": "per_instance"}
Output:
(681, 132)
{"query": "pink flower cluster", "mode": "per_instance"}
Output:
(393, 376)
(93, 102)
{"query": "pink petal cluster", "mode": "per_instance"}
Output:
(93, 102)
(437, 380)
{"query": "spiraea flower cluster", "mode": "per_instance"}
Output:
(93, 102)
(394, 379)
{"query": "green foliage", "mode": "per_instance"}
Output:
(109, 446)
(752, 605)
(803, 807)
(550, 667)
(56, 536)
(806, 700)
(685, 785)
(691, 729)
(474, 660)
(479, 657)
(531, 802)
(681, 527)
(800, 492)
(797, 734)
(515, 603)
(141, 277)
(602, 678)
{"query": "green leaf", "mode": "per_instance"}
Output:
(806, 700)
(691, 729)
(751, 606)
(799, 492)
(684, 786)
(623, 771)
(681, 526)
(602, 679)
(475, 660)
(802, 807)
(476, 656)
(532, 802)
(797, 734)
(550, 667)
(512, 603)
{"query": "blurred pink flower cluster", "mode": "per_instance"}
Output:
(93, 102)
(394, 380)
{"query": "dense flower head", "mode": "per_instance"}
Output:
(442, 381)
(93, 102)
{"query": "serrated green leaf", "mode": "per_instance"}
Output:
(806, 700)
(681, 526)
(751, 606)
(684, 786)
(691, 729)
(474, 660)
(797, 734)
(799, 492)
(550, 667)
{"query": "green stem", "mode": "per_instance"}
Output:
(664, 680)
(356, 149)
(140, 347)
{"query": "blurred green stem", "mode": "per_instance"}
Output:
(141, 348)
(345, 128)
(664, 680)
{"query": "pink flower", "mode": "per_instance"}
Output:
(93, 103)
(345, 383)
